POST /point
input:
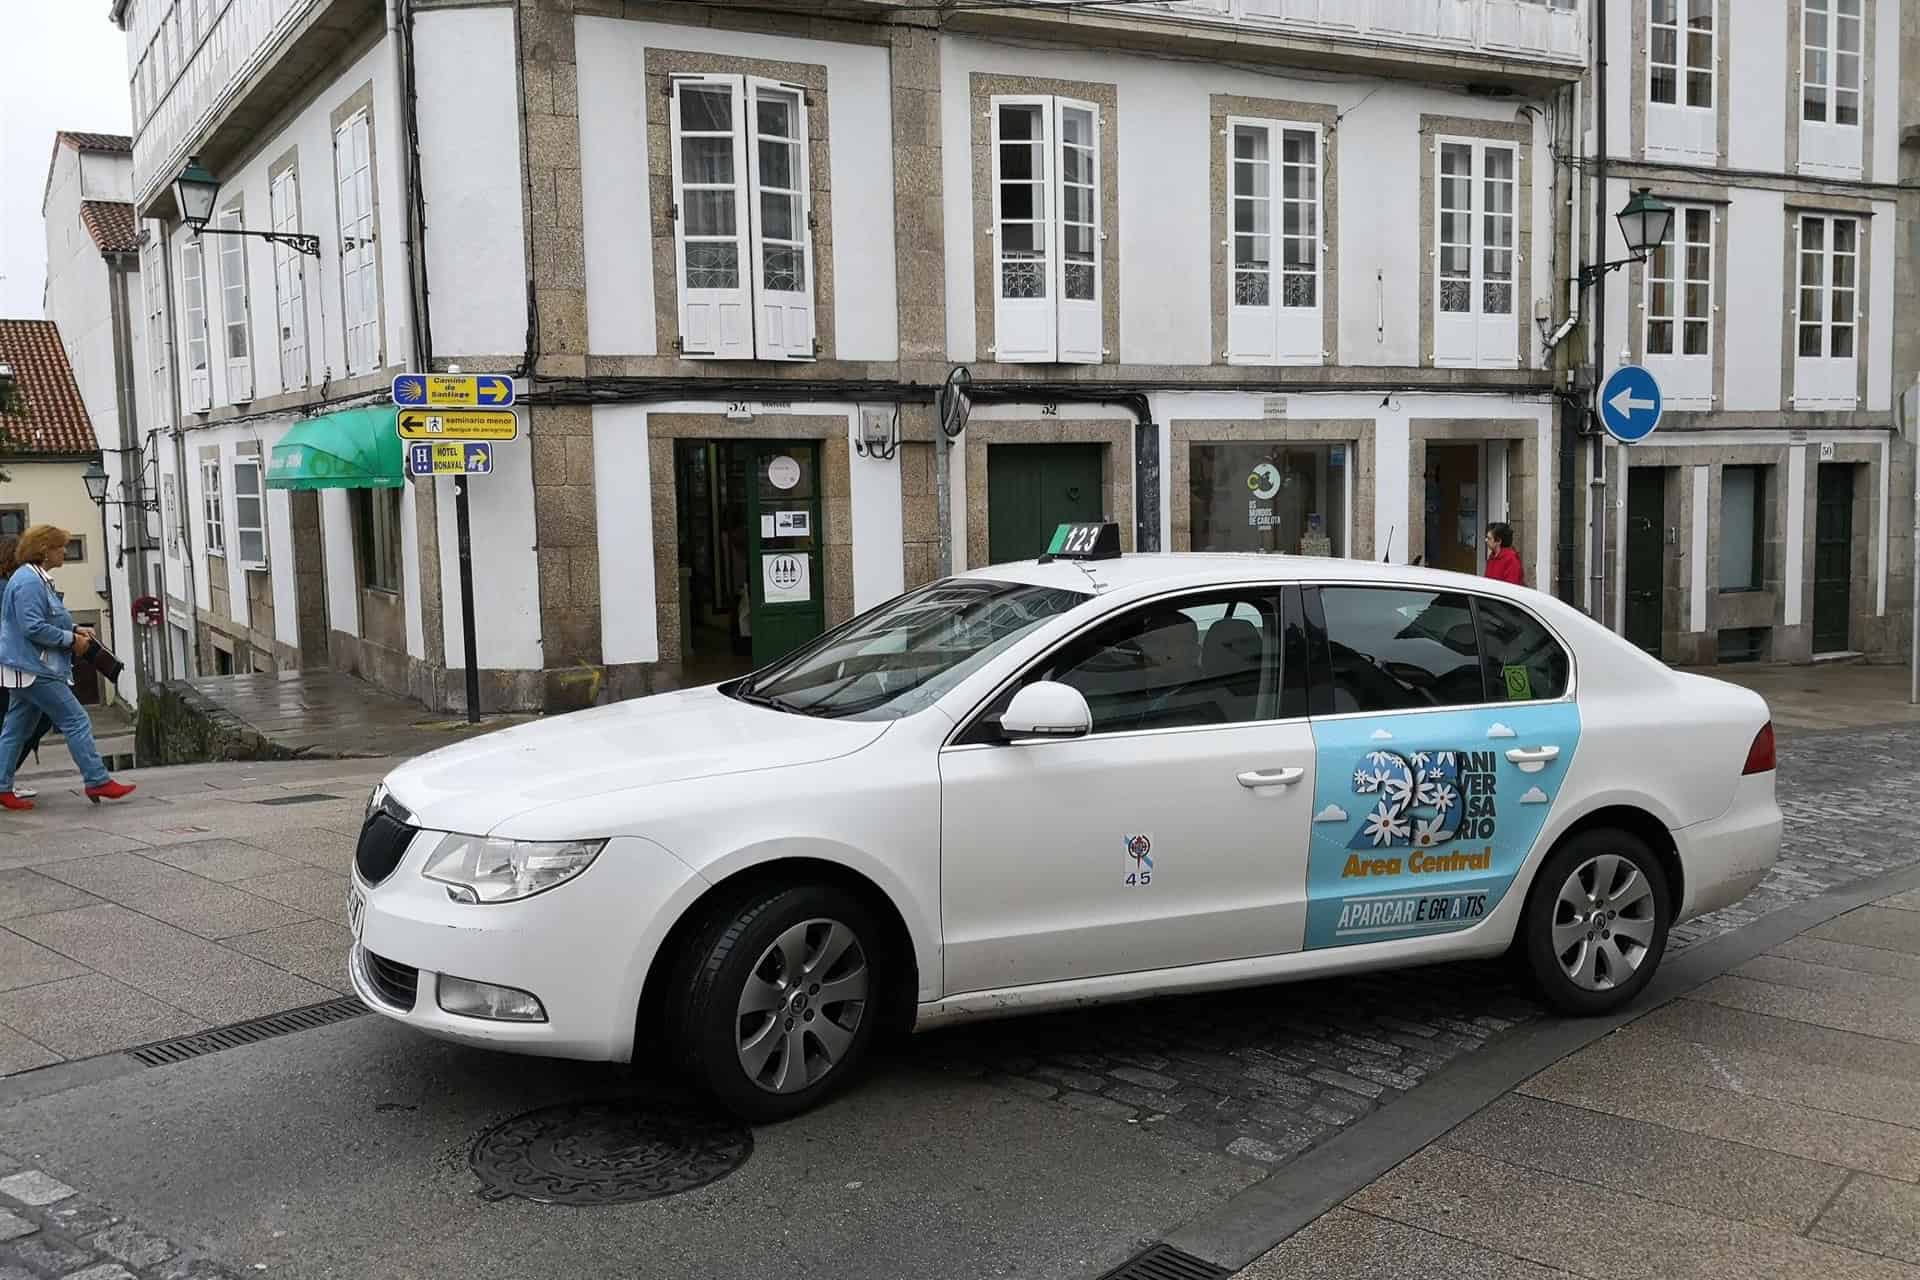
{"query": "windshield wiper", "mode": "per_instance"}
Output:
(778, 702)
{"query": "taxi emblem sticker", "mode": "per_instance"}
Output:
(1139, 861)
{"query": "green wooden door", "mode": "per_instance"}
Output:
(1646, 556)
(784, 540)
(1833, 558)
(1032, 489)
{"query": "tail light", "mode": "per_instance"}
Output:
(1760, 758)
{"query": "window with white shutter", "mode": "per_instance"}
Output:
(1679, 320)
(193, 302)
(359, 274)
(234, 319)
(249, 513)
(213, 512)
(1826, 313)
(1274, 239)
(289, 281)
(1832, 33)
(1476, 254)
(159, 348)
(743, 218)
(1682, 77)
(1047, 231)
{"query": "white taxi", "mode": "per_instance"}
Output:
(1083, 778)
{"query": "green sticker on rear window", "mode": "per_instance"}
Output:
(1519, 684)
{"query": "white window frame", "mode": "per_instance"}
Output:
(213, 510)
(170, 513)
(754, 317)
(153, 278)
(1686, 377)
(1477, 336)
(359, 264)
(249, 487)
(1050, 327)
(289, 281)
(1826, 380)
(1683, 127)
(193, 305)
(1828, 146)
(1280, 330)
(236, 306)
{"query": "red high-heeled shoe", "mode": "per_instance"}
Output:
(8, 800)
(110, 790)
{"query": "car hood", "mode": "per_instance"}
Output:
(475, 786)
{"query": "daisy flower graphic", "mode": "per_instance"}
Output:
(1384, 826)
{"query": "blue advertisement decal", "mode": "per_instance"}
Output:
(1421, 821)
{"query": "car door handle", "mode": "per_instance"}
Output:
(1271, 777)
(1533, 755)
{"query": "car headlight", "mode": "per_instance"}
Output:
(488, 869)
(374, 800)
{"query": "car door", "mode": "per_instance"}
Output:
(1172, 834)
(1443, 726)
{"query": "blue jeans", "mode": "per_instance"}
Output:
(54, 699)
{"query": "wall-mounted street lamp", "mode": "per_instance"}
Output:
(1645, 222)
(95, 478)
(194, 192)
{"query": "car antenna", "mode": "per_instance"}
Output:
(1387, 555)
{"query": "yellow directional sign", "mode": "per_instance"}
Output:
(471, 424)
(453, 390)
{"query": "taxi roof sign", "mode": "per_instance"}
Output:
(1095, 540)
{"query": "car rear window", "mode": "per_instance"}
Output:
(1523, 661)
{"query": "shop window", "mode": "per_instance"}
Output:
(1046, 232)
(1277, 497)
(376, 536)
(1274, 214)
(1743, 528)
(743, 219)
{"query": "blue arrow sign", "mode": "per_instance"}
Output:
(1630, 404)
(493, 389)
(479, 459)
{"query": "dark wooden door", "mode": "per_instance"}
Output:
(1646, 556)
(784, 539)
(1833, 559)
(1032, 489)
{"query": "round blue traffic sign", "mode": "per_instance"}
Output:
(1630, 404)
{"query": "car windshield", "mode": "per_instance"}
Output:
(902, 656)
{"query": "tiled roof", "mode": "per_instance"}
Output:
(96, 141)
(55, 421)
(112, 225)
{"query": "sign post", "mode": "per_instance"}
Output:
(1629, 405)
(448, 421)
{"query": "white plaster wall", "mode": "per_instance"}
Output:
(193, 524)
(506, 590)
(613, 149)
(1796, 568)
(310, 130)
(879, 568)
(1762, 55)
(623, 510)
(104, 175)
(1165, 149)
(280, 556)
(1621, 38)
(1757, 291)
(1880, 259)
(1883, 82)
(77, 297)
(336, 532)
(467, 75)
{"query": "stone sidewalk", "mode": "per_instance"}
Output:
(214, 894)
(1764, 1125)
(1841, 695)
(331, 714)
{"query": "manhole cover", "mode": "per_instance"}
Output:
(607, 1153)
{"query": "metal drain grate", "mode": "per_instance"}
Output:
(162, 1052)
(1164, 1262)
(309, 797)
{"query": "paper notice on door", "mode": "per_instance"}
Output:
(766, 526)
(792, 524)
(786, 579)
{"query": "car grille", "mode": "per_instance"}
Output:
(383, 840)
(393, 982)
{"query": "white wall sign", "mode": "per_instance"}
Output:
(1826, 451)
(783, 472)
(786, 579)
(792, 524)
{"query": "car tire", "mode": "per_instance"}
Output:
(777, 998)
(1595, 926)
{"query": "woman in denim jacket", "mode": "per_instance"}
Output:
(38, 642)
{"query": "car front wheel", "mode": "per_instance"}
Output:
(778, 1000)
(1596, 922)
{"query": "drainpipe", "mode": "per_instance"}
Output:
(125, 430)
(1573, 204)
(1597, 480)
(192, 592)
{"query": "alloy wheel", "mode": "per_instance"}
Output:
(802, 1005)
(1603, 922)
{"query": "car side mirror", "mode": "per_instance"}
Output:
(1046, 709)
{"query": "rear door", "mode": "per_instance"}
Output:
(1442, 729)
(1172, 834)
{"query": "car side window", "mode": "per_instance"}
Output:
(1401, 649)
(1523, 660)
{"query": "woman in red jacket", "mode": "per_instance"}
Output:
(1503, 562)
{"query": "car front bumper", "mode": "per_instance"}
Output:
(583, 948)
(1724, 859)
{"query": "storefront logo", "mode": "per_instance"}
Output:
(1264, 482)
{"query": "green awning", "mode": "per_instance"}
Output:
(351, 449)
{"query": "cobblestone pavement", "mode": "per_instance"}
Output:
(1270, 1072)
(1262, 1074)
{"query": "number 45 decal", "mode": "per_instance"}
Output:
(1139, 861)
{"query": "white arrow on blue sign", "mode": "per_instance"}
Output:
(1630, 404)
